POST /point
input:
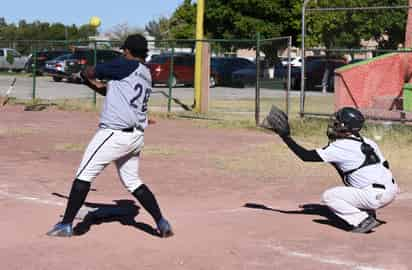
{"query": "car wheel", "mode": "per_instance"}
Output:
(57, 79)
(212, 82)
(172, 82)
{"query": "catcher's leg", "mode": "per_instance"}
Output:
(347, 202)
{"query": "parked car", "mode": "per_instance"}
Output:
(57, 68)
(183, 68)
(11, 59)
(319, 70)
(247, 75)
(41, 58)
(222, 68)
(67, 65)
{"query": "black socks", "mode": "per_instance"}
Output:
(78, 194)
(147, 199)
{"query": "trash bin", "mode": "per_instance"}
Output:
(407, 97)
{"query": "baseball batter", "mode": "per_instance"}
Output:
(120, 135)
(369, 183)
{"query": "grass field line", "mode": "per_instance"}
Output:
(22, 197)
(325, 260)
(110, 211)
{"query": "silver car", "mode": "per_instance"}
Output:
(10, 59)
(57, 68)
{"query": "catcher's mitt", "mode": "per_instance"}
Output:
(277, 121)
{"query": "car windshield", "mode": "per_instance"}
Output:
(64, 57)
(159, 59)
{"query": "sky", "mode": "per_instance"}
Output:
(135, 13)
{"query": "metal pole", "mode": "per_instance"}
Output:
(289, 77)
(257, 87)
(198, 53)
(302, 75)
(169, 99)
(94, 63)
(34, 71)
(357, 8)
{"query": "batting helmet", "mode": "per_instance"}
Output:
(137, 45)
(345, 120)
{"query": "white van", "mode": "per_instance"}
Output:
(10, 59)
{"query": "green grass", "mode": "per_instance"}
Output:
(13, 132)
(70, 147)
(14, 74)
(82, 105)
(163, 150)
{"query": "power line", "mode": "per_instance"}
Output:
(357, 8)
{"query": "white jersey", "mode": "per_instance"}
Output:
(346, 155)
(128, 92)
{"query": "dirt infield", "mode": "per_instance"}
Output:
(237, 199)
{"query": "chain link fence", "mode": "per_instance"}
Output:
(245, 78)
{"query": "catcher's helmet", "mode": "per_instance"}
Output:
(346, 120)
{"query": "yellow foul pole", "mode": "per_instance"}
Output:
(198, 66)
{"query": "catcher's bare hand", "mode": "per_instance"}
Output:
(277, 121)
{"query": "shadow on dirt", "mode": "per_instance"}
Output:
(122, 211)
(309, 209)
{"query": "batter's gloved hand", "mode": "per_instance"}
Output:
(277, 121)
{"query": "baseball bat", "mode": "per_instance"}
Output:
(176, 100)
(8, 92)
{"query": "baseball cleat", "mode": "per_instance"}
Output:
(164, 229)
(61, 230)
(366, 225)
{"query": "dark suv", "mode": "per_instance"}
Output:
(319, 70)
(222, 68)
(78, 60)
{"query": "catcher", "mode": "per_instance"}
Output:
(368, 181)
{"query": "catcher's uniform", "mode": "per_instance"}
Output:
(367, 186)
(122, 122)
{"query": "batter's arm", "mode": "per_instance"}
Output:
(89, 78)
(302, 153)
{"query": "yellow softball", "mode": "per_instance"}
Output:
(95, 21)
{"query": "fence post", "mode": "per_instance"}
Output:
(302, 74)
(94, 64)
(289, 77)
(257, 87)
(169, 99)
(34, 71)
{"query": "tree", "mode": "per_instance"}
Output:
(346, 29)
(183, 21)
(121, 31)
(239, 19)
(159, 29)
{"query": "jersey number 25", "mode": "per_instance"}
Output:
(139, 89)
